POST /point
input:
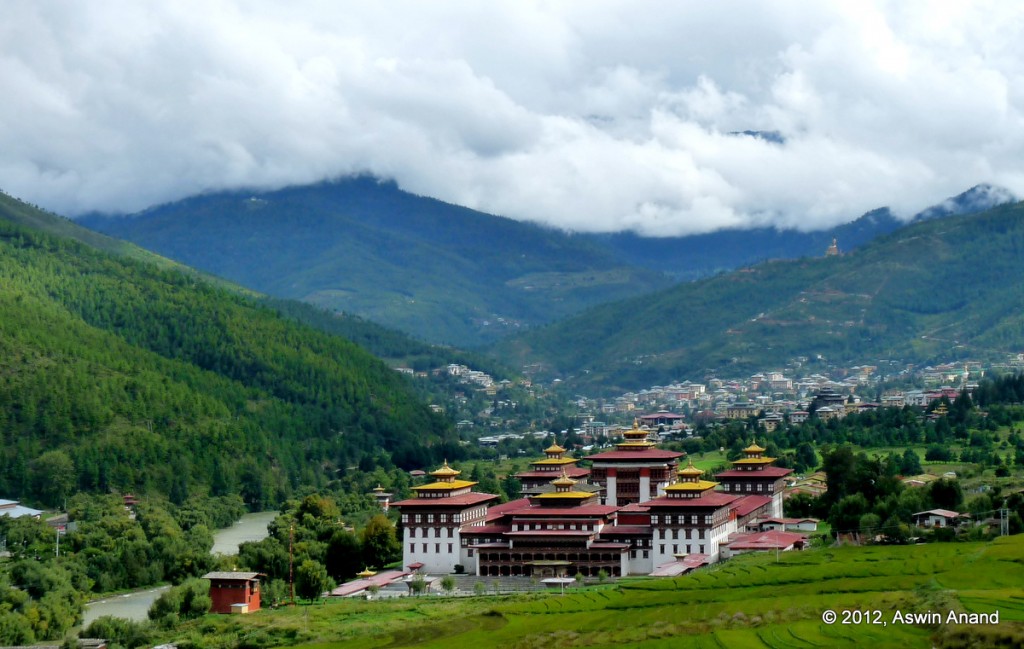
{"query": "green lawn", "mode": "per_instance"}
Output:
(751, 601)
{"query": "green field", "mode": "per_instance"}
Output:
(750, 601)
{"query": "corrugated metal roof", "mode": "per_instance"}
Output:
(233, 576)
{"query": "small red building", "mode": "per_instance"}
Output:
(234, 592)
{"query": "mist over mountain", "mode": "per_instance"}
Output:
(700, 255)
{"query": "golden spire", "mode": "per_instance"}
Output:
(445, 471)
(564, 480)
(690, 471)
(554, 449)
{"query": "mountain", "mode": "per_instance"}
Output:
(442, 272)
(701, 255)
(125, 375)
(938, 289)
(976, 199)
(447, 274)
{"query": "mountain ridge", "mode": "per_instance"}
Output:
(441, 272)
(444, 273)
(939, 288)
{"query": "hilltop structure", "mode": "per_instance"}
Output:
(649, 523)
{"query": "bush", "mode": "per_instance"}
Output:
(188, 601)
(312, 580)
(127, 633)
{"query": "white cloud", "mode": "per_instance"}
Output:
(589, 116)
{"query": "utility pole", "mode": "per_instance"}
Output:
(1004, 521)
(291, 579)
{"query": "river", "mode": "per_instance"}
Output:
(251, 527)
(134, 606)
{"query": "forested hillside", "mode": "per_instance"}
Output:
(116, 374)
(444, 273)
(940, 289)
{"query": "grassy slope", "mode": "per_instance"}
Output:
(750, 601)
(942, 288)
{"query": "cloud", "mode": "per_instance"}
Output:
(592, 117)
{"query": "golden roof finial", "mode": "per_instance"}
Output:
(691, 470)
(564, 480)
(554, 449)
(445, 471)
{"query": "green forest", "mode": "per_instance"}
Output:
(120, 375)
(360, 245)
(938, 290)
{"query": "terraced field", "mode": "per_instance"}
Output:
(750, 601)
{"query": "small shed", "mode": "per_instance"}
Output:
(234, 592)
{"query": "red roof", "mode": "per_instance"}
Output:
(497, 511)
(645, 454)
(767, 472)
(635, 508)
(486, 529)
(574, 471)
(550, 533)
(678, 567)
(747, 504)
(463, 500)
(359, 585)
(772, 540)
(598, 545)
(788, 521)
(708, 499)
(626, 530)
(583, 510)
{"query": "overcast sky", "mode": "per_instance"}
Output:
(587, 115)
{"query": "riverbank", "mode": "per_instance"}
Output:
(135, 605)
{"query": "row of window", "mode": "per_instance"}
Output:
(524, 527)
(664, 534)
(749, 487)
(426, 532)
(437, 548)
(689, 550)
(680, 519)
(472, 514)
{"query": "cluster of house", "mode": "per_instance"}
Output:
(635, 511)
(773, 392)
(827, 402)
